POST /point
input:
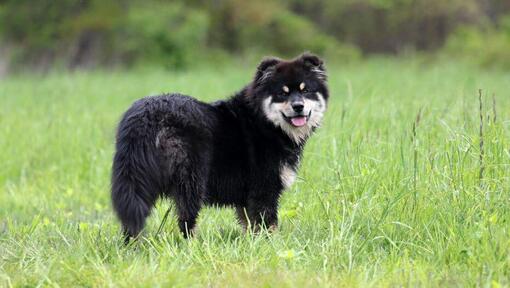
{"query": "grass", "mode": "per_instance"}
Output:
(384, 197)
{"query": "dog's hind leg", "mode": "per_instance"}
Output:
(189, 197)
(185, 163)
(189, 201)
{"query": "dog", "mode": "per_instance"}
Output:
(242, 152)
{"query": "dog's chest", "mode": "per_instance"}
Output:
(288, 174)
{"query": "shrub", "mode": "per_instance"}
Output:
(167, 33)
(93, 33)
(290, 34)
(488, 46)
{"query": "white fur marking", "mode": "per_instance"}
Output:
(287, 175)
(286, 89)
(317, 111)
(302, 86)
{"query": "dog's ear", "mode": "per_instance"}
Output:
(265, 69)
(314, 64)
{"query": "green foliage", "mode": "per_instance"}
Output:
(267, 25)
(169, 34)
(175, 34)
(36, 25)
(488, 46)
(103, 32)
(356, 216)
(34, 29)
(291, 35)
(396, 25)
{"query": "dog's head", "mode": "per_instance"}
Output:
(292, 94)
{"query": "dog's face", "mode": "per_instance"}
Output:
(292, 94)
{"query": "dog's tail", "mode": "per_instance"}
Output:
(135, 171)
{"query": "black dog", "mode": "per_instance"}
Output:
(242, 152)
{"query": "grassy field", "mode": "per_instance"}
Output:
(375, 203)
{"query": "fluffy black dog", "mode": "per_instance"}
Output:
(241, 152)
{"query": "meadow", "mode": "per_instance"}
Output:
(394, 190)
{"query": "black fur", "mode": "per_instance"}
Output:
(225, 153)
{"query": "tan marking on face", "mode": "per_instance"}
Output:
(286, 89)
(302, 86)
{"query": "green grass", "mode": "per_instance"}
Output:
(372, 206)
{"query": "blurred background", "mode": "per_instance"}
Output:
(48, 35)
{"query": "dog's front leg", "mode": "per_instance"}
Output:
(262, 212)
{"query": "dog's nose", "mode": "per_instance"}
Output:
(298, 106)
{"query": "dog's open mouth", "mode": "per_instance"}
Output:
(298, 120)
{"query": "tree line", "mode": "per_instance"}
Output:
(92, 33)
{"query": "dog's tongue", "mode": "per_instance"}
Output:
(298, 121)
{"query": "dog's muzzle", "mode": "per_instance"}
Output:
(297, 120)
